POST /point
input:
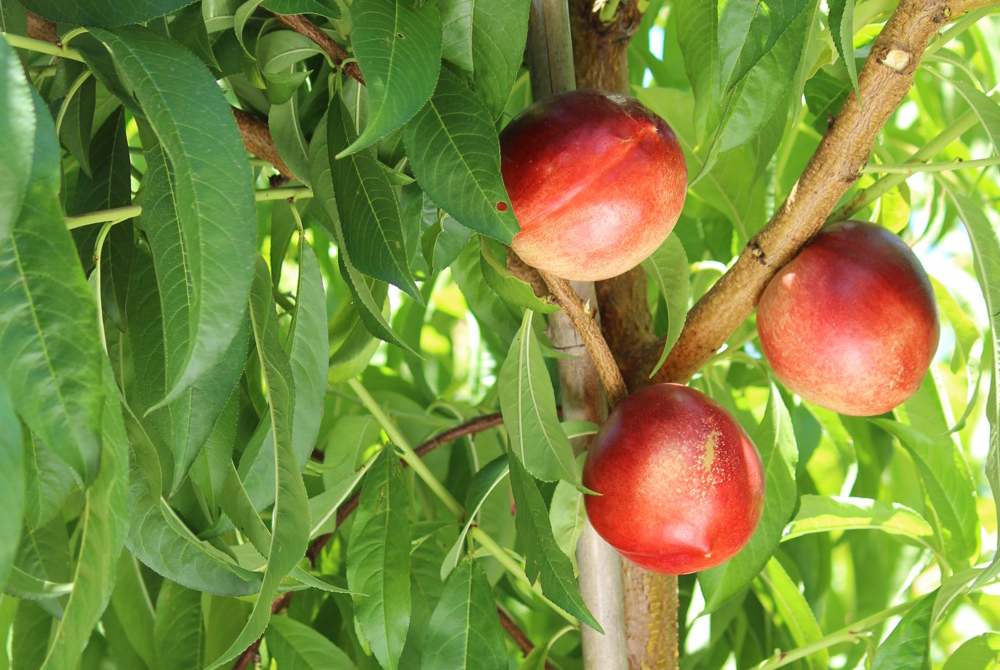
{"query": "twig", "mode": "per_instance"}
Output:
(249, 655)
(258, 141)
(337, 53)
(845, 148)
(583, 319)
(518, 635)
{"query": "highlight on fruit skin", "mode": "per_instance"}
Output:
(851, 323)
(596, 181)
(680, 483)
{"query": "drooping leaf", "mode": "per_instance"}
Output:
(78, 120)
(544, 560)
(486, 39)
(103, 14)
(212, 193)
(369, 294)
(378, 559)
(776, 442)
(986, 255)
(17, 136)
(820, 514)
(977, 653)
(948, 482)
(568, 516)
(11, 482)
(398, 47)
(842, 29)
(133, 607)
(486, 479)
(908, 644)
(286, 130)
(289, 519)
(698, 37)
(455, 153)
(298, 647)
(368, 210)
(464, 631)
(750, 31)
(668, 268)
(308, 353)
(48, 321)
(322, 7)
(986, 109)
(528, 404)
(178, 634)
(104, 523)
(795, 612)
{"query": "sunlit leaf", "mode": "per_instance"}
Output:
(668, 268)
(908, 644)
(296, 646)
(17, 136)
(819, 514)
(795, 612)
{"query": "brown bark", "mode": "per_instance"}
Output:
(42, 29)
(337, 53)
(258, 141)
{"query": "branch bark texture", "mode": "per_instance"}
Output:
(883, 82)
(337, 53)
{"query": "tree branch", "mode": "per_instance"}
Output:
(884, 81)
(258, 141)
(516, 634)
(337, 53)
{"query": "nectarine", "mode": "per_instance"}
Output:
(850, 324)
(681, 483)
(596, 181)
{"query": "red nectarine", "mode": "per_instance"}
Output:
(596, 181)
(681, 483)
(850, 323)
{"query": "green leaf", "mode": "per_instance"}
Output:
(170, 549)
(698, 38)
(986, 255)
(668, 268)
(512, 289)
(986, 109)
(289, 520)
(820, 514)
(21, 584)
(178, 635)
(213, 195)
(48, 320)
(483, 483)
(842, 29)
(78, 121)
(978, 653)
(455, 154)
(103, 525)
(369, 294)
(776, 441)
(367, 207)
(48, 482)
(398, 47)
(908, 644)
(528, 404)
(308, 353)
(544, 559)
(103, 14)
(11, 483)
(378, 559)
(296, 646)
(795, 612)
(749, 33)
(568, 516)
(486, 39)
(17, 137)
(325, 8)
(155, 308)
(133, 607)
(465, 631)
(286, 131)
(949, 486)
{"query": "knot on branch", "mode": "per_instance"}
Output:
(896, 59)
(757, 253)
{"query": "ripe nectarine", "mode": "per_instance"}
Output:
(596, 181)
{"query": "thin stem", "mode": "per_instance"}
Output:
(77, 84)
(114, 215)
(943, 166)
(407, 454)
(513, 567)
(292, 193)
(847, 634)
(41, 46)
(889, 182)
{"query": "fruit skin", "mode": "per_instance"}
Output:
(682, 483)
(596, 181)
(850, 324)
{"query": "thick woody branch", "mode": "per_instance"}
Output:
(845, 148)
(337, 53)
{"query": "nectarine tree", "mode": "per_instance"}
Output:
(292, 374)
